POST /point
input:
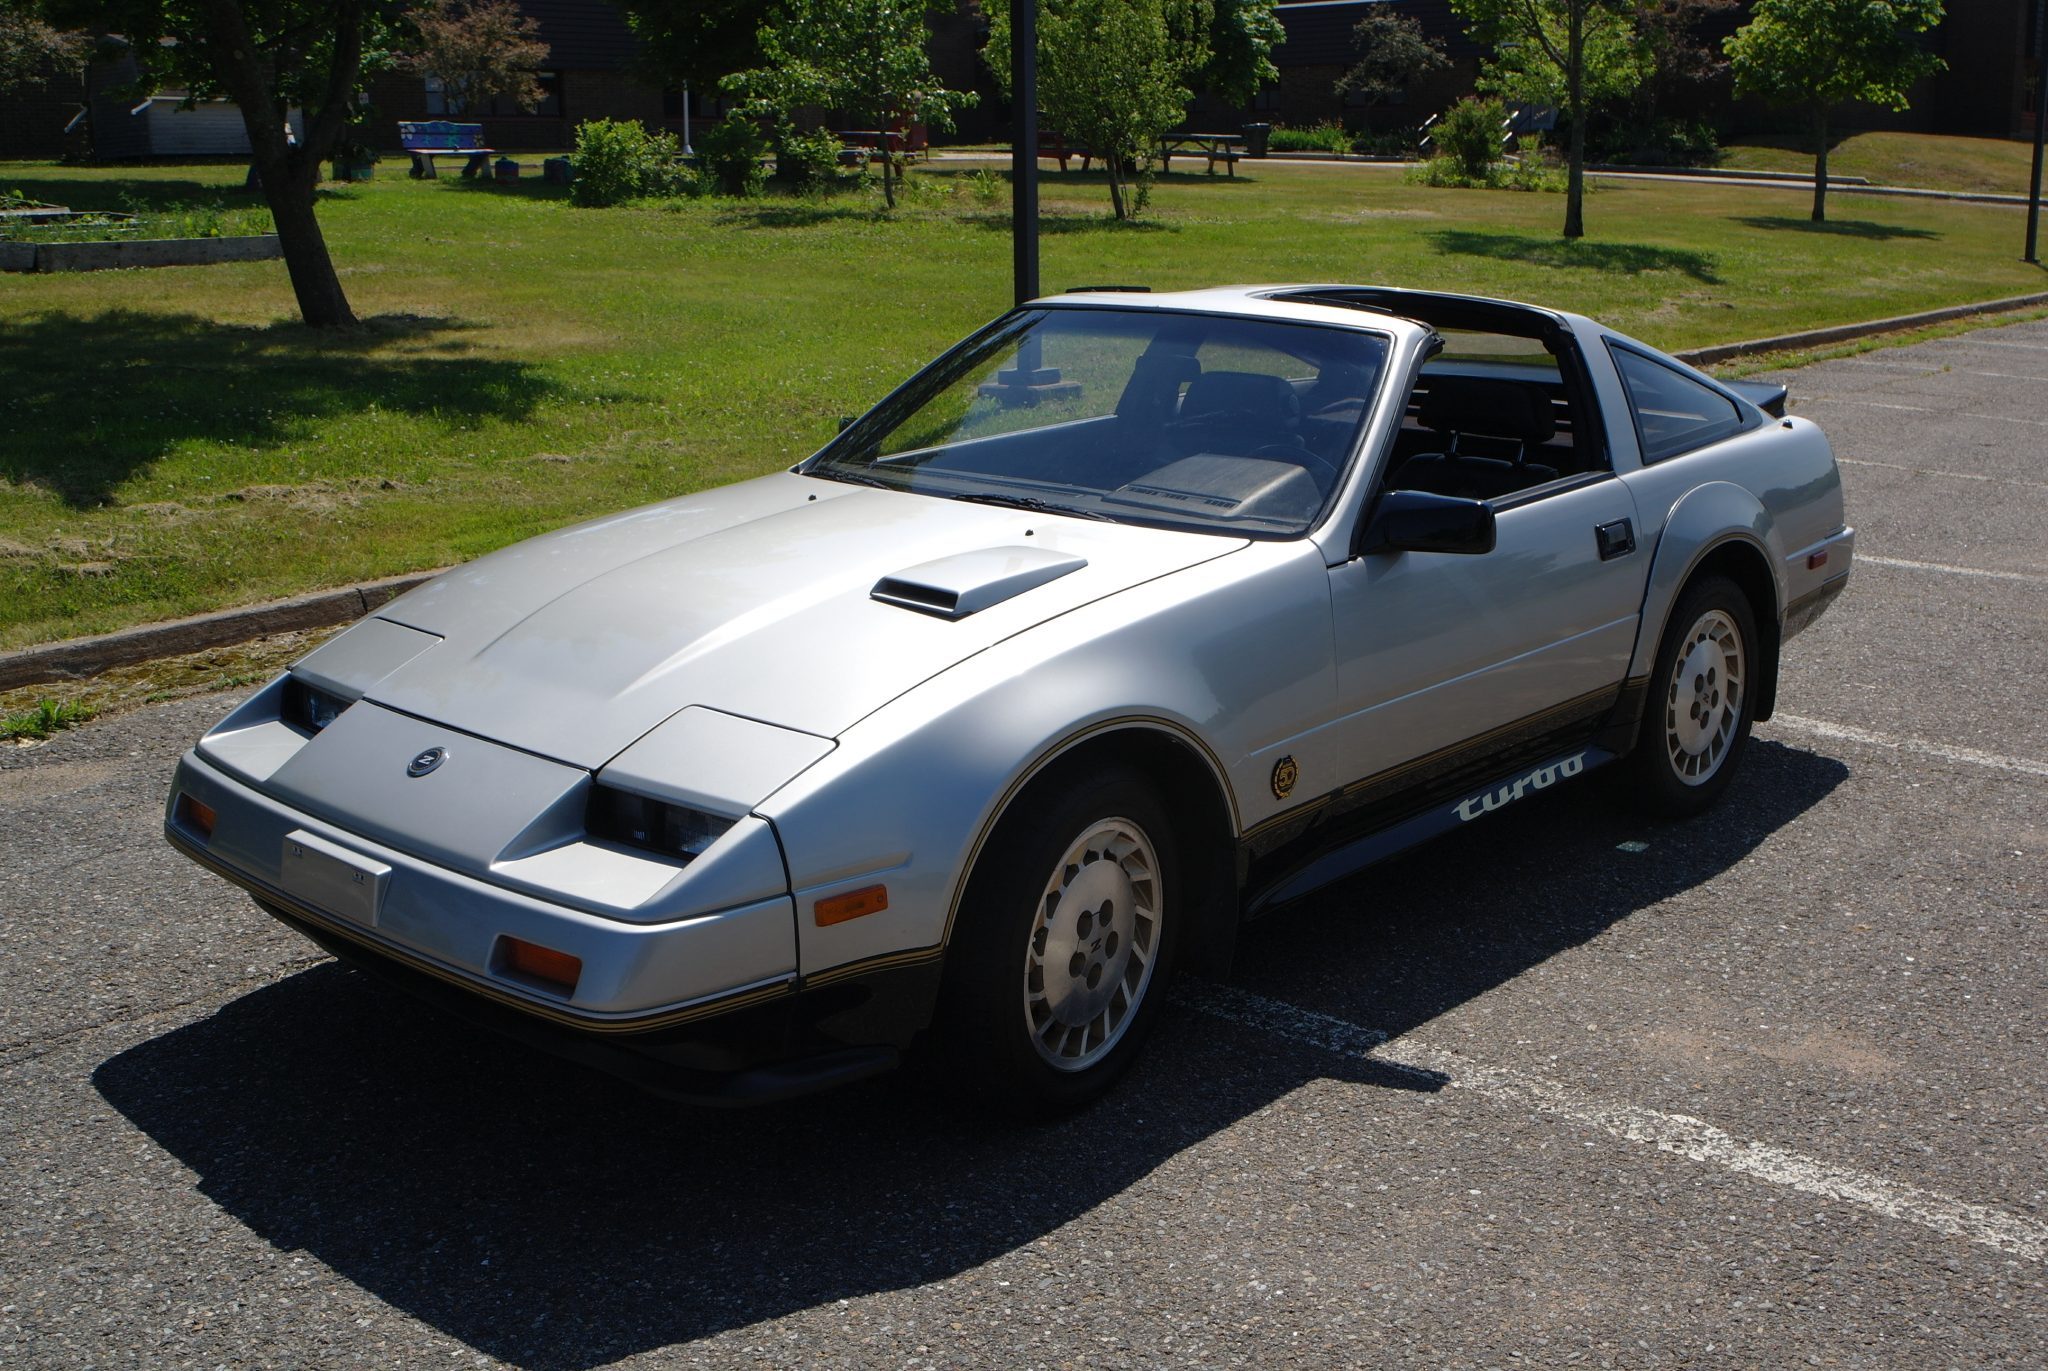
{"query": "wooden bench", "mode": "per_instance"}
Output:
(1052, 145)
(1217, 147)
(428, 139)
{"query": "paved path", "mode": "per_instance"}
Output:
(1767, 1091)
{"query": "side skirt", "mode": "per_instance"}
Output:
(1340, 855)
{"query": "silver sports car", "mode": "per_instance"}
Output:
(1128, 618)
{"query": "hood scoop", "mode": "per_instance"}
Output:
(968, 582)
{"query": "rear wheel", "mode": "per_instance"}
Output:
(1064, 943)
(1696, 720)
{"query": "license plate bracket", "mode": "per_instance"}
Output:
(331, 879)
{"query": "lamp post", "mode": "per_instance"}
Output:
(2040, 128)
(1024, 150)
(688, 151)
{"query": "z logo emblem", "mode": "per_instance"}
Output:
(427, 761)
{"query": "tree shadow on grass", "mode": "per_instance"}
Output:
(1843, 228)
(1622, 259)
(551, 1218)
(131, 192)
(1060, 225)
(92, 399)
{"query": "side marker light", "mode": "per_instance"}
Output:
(1816, 560)
(195, 816)
(556, 970)
(837, 909)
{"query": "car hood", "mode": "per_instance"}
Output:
(756, 600)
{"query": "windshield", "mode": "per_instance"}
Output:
(1139, 416)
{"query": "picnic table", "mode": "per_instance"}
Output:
(1217, 147)
(910, 143)
(427, 139)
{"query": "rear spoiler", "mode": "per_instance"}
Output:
(1767, 396)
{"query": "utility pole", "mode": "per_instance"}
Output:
(2040, 128)
(1024, 151)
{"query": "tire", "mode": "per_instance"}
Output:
(1064, 945)
(1702, 694)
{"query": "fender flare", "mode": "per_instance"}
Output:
(1707, 521)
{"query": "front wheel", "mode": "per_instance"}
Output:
(1696, 719)
(1064, 943)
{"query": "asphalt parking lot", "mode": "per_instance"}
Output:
(1564, 1089)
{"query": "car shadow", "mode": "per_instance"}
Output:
(550, 1217)
(1620, 259)
(91, 399)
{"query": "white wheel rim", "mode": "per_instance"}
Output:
(1093, 945)
(1703, 698)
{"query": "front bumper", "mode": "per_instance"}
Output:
(451, 927)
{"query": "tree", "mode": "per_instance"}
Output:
(479, 50)
(1242, 36)
(268, 56)
(30, 48)
(1112, 75)
(1393, 52)
(697, 42)
(1816, 54)
(1565, 52)
(865, 58)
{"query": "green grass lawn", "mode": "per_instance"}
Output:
(1928, 160)
(171, 441)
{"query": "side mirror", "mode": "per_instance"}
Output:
(846, 422)
(1417, 521)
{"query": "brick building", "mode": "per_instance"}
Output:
(590, 74)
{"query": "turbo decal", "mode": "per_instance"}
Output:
(1542, 778)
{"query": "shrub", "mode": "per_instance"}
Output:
(1469, 136)
(808, 161)
(1321, 138)
(729, 157)
(617, 160)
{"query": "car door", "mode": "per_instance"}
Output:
(1442, 653)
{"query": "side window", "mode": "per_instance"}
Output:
(1674, 414)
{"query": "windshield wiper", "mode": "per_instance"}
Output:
(1030, 502)
(856, 478)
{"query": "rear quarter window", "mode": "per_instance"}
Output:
(1673, 413)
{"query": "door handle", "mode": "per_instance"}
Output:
(1617, 539)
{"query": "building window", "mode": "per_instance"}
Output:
(439, 102)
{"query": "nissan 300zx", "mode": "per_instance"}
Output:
(1130, 617)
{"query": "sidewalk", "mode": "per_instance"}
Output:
(1775, 180)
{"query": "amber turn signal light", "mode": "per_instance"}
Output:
(557, 970)
(195, 816)
(837, 909)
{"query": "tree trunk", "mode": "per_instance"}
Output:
(1111, 164)
(888, 170)
(1575, 102)
(289, 189)
(1820, 166)
(290, 170)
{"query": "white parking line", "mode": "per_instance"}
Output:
(1802, 400)
(1943, 370)
(1934, 471)
(1987, 343)
(1948, 752)
(2028, 577)
(1678, 1134)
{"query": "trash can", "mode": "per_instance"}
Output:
(556, 171)
(506, 169)
(1256, 137)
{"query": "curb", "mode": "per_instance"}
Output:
(1847, 333)
(78, 658)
